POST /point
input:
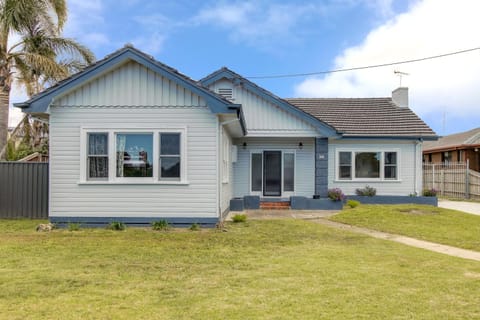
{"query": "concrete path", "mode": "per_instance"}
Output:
(465, 206)
(432, 246)
(321, 217)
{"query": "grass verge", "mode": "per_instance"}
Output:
(276, 269)
(429, 223)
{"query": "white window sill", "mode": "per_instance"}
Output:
(367, 181)
(100, 182)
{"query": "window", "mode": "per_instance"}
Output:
(133, 156)
(288, 172)
(367, 165)
(225, 157)
(390, 165)
(97, 155)
(345, 165)
(170, 156)
(257, 171)
(447, 156)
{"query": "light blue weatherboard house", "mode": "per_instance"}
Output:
(134, 140)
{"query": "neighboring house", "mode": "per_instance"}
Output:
(133, 140)
(458, 147)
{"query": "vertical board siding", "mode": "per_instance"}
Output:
(131, 85)
(23, 190)
(69, 198)
(262, 116)
(409, 176)
(304, 163)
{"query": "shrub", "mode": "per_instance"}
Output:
(367, 191)
(161, 225)
(117, 226)
(353, 203)
(430, 192)
(239, 218)
(336, 194)
(195, 227)
(74, 226)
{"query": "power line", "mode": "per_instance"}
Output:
(363, 67)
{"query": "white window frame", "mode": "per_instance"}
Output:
(352, 151)
(167, 156)
(88, 156)
(112, 163)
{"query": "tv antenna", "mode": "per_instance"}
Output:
(400, 74)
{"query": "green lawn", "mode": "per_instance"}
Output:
(422, 222)
(279, 269)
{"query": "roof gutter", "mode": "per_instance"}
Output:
(420, 138)
(21, 105)
(240, 116)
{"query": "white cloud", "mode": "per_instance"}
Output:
(85, 19)
(429, 28)
(151, 43)
(156, 29)
(258, 22)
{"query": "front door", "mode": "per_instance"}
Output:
(272, 173)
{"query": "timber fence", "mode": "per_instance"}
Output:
(452, 180)
(24, 190)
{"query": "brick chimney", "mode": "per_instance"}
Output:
(400, 97)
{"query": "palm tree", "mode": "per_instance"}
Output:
(41, 57)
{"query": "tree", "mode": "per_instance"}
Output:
(41, 57)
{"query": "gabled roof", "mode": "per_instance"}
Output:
(366, 117)
(461, 140)
(224, 73)
(40, 102)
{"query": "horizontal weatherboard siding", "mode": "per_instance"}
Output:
(198, 198)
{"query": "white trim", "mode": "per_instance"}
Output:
(112, 177)
(105, 182)
(219, 186)
(353, 150)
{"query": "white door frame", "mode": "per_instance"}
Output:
(284, 194)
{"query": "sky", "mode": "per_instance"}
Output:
(263, 38)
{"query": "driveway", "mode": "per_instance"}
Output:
(468, 207)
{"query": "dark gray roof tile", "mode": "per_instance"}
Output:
(365, 116)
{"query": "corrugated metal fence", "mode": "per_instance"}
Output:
(452, 179)
(23, 190)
